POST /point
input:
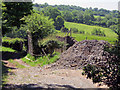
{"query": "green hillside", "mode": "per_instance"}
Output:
(110, 35)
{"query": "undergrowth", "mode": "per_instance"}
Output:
(41, 60)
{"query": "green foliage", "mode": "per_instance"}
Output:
(93, 72)
(51, 12)
(17, 33)
(12, 14)
(102, 17)
(14, 43)
(114, 28)
(51, 44)
(39, 25)
(12, 40)
(15, 11)
(74, 30)
(109, 73)
(6, 49)
(54, 14)
(59, 22)
(89, 16)
(111, 22)
(67, 15)
(43, 60)
(98, 32)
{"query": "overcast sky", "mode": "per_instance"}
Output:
(106, 4)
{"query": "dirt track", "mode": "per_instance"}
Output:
(37, 77)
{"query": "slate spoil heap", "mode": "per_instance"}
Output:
(83, 53)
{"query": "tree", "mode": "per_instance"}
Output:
(87, 18)
(54, 14)
(13, 12)
(68, 16)
(51, 12)
(80, 17)
(110, 22)
(59, 22)
(39, 26)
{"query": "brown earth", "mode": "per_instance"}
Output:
(44, 77)
(65, 73)
(83, 53)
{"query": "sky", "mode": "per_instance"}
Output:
(106, 4)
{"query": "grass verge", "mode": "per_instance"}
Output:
(43, 60)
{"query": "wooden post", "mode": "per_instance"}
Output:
(30, 44)
(70, 32)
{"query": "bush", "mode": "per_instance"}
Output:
(50, 45)
(74, 30)
(82, 32)
(109, 72)
(14, 43)
(98, 32)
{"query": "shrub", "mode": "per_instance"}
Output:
(74, 30)
(109, 72)
(82, 32)
(51, 44)
(98, 32)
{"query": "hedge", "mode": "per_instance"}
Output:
(14, 43)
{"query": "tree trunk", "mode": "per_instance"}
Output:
(30, 44)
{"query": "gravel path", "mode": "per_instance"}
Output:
(37, 77)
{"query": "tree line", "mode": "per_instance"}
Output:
(78, 14)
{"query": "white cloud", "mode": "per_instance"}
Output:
(107, 4)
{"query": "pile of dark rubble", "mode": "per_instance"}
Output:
(83, 53)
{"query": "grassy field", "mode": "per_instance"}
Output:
(110, 35)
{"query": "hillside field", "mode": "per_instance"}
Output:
(111, 37)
